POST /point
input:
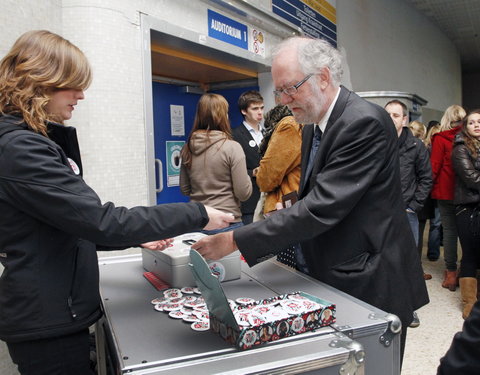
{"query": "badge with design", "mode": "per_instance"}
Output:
(249, 338)
(173, 293)
(218, 269)
(200, 326)
(297, 324)
(74, 166)
(176, 314)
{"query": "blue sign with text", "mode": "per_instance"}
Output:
(227, 30)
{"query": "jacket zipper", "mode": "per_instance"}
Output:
(70, 299)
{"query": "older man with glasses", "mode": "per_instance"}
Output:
(350, 218)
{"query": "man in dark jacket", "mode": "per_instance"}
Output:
(415, 172)
(249, 135)
(349, 219)
(415, 169)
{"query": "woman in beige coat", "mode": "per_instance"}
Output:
(213, 166)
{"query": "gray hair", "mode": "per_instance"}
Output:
(313, 55)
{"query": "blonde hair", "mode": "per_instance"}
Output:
(418, 129)
(433, 130)
(39, 63)
(453, 115)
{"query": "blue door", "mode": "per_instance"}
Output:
(168, 162)
(165, 95)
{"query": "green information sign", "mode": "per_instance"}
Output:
(173, 162)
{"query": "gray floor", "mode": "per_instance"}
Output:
(440, 320)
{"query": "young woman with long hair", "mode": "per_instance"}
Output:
(214, 170)
(443, 188)
(52, 222)
(466, 163)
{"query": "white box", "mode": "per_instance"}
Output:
(171, 265)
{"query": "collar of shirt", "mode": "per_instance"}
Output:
(256, 135)
(323, 122)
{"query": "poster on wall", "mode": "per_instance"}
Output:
(177, 120)
(173, 149)
(256, 41)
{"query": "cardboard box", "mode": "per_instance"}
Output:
(302, 312)
(171, 265)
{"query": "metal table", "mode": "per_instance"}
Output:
(133, 338)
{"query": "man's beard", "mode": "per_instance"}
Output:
(312, 107)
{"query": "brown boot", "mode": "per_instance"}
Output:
(468, 289)
(450, 280)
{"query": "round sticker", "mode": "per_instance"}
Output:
(158, 300)
(74, 166)
(172, 307)
(218, 269)
(200, 326)
(173, 293)
(244, 300)
(327, 316)
(176, 314)
(187, 290)
(190, 319)
(282, 329)
(252, 143)
(177, 300)
(159, 306)
(297, 324)
(249, 338)
(266, 333)
(190, 299)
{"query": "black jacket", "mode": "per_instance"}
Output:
(415, 170)
(50, 222)
(350, 219)
(252, 155)
(467, 171)
(463, 357)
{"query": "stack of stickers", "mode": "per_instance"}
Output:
(258, 321)
(186, 304)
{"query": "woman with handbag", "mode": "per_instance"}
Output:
(466, 164)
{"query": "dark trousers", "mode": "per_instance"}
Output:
(247, 218)
(470, 243)
(64, 355)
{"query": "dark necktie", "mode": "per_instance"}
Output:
(317, 136)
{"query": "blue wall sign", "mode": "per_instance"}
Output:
(308, 19)
(227, 30)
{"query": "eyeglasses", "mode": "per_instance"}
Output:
(291, 90)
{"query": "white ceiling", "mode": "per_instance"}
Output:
(460, 21)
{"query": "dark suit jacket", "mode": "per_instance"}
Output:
(463, 357)
(242, 136)
(350, 220)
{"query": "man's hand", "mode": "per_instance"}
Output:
(157, 245)
(216, 246)
(217, 219)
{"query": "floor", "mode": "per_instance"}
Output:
(439, 321)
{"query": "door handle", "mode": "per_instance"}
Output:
(159, 179)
